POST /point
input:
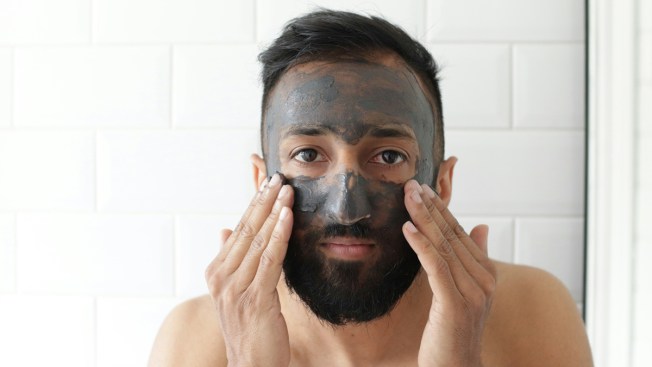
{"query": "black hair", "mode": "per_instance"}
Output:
(328, 34)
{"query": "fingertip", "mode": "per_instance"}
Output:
(409, 226)
(480, 235)
(224, 235)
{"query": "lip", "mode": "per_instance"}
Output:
(348, 248)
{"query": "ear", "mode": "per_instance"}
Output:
(259, 170)
(445, 179)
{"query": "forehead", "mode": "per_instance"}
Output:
(349, 98)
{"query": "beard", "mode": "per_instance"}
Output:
(340, 291)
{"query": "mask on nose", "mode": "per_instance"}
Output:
(349, 205)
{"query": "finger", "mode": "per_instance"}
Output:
(436, 267)
(480, 235)
(224, 236)
(471, 254)
(271, 261)
(252, 204)
(425, 223)
(249, 227)
(251, 261)
(473, 248)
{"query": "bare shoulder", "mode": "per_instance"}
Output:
(190, 336)
(534, 321)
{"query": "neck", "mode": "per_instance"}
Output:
(393, 337)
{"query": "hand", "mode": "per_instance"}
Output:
(460, 274)
(242, 280)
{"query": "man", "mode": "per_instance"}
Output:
(348, 255)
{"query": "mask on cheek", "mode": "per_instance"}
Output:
(348, 205)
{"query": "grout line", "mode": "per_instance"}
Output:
(513, 224)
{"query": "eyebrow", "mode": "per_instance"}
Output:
(376, 132)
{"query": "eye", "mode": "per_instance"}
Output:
(389, 157)
(306, 155)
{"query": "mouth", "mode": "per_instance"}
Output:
(348, 248)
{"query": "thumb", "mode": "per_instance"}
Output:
(480, 235)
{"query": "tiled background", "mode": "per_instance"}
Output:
(126, 126)
(642, 321)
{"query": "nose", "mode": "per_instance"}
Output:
(347, 202)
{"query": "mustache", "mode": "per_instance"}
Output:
(356, 230)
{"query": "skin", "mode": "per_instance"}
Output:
(463, 309)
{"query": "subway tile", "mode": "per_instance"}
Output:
(501, 20)
(6, 84)
(46, 331)
(92, 87)
(475, 84)
(549, 86)
(555, 245)
(517, 173)
(501, 235)
(95, 254)
(201, 171)
(126, 328)
(7, 253)
(173, 21)
(198, 243)
(272, 15)
(46, 170)
(44, 21)
(216, 86)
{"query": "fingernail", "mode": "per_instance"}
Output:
(410, 227)
(429, 191)
(284, 191)
(416, 197)
(284, 213)
(275, 180)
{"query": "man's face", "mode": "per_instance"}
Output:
(348, 135)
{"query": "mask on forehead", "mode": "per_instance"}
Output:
(347, 99)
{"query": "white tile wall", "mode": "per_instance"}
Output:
(501, 235)
(126, 128)
(554, 244)
(198, 242)
(46, 331)
(93, 86)
(475, 83)
(549, 85)
(175, 171)
(272, 15)
(173, 21)
(119, 343)
(500, 20)
(44, 21)
(47, 170)
(7, 253)
(6, 84)
(643, 167)
(518, 173)
(95, 254)
(216, 86)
